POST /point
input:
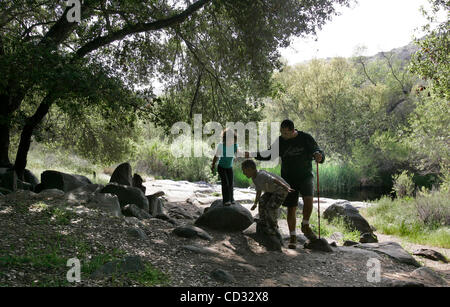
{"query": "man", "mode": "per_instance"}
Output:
(296, 150)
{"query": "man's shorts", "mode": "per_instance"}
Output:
(305, 188)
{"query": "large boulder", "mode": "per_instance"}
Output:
(190, 231)
(30, 178)
(83, 194)
(156, 206)
(122, 175)
(137, 182)
(225, 218)
(392, 249)
(133, 210)
(127, 195)
(61, 181)
(105, 202)
(430, 254)
(349, 214)
(9, 181)
(258, 232)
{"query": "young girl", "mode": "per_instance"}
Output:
(225, 153)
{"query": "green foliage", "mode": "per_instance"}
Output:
(327, 228)
(353, 108)
(405, 218)
(431, 62)
(156, 157)
(429, 124)
(403, 184)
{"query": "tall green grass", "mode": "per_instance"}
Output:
(41, 158)
(423, 220)
(335, 177)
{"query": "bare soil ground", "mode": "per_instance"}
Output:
(26, 229)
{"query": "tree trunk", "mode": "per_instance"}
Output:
(27, 131)
(5, 122)
(4, 142)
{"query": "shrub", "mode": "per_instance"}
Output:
(403, 184)
(433, 209)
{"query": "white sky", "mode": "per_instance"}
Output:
(380, 25)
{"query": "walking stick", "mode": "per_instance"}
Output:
(318, 196)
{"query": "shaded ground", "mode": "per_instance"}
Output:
(35, 245)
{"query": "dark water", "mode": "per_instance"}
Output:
(362, 194)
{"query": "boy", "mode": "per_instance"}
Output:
(276, 189)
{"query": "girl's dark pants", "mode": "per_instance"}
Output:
(226, 179)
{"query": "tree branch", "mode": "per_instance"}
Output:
(140, 27)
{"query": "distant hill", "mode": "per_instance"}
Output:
(403, 53)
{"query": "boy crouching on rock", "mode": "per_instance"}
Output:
(275, 191)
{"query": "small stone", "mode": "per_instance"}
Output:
(319, 245)
(222, 275)
(430, 254)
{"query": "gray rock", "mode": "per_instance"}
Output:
(428, 275)
(62, 181)
(156, 205)
(50, 193)
(225, 218)
(137, 183)
(403, 284)
(337, 236)
(137, 233)
(430, 254)
(133, 210)
(127, 195)
(122, 175)
(318, 245)
(200, 249)
(9, 181)
(190, 231)
(392, 249)
(167, 218)
(222, 276)
(349, 214)
(30, 178)
(130, 264)
(179, 213)
(368, 237)
(350, 243)
(82, 194)
(105, 202)
(258, 233)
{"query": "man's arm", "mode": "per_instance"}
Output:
(283, 185)
(258, 195)
(317, 153)
(266, 155)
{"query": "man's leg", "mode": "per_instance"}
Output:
(307, 210)
(307, 191)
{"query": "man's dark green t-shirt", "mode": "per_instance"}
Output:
(296, 156)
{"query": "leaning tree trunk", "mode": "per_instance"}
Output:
(27, 131)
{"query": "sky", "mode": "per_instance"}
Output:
(379, 25)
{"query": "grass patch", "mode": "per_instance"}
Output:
(421, 220)
(327, 228)
(148, 278)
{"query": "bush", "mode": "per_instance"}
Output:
(403, 184)
(423, 220)
(433, 209)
